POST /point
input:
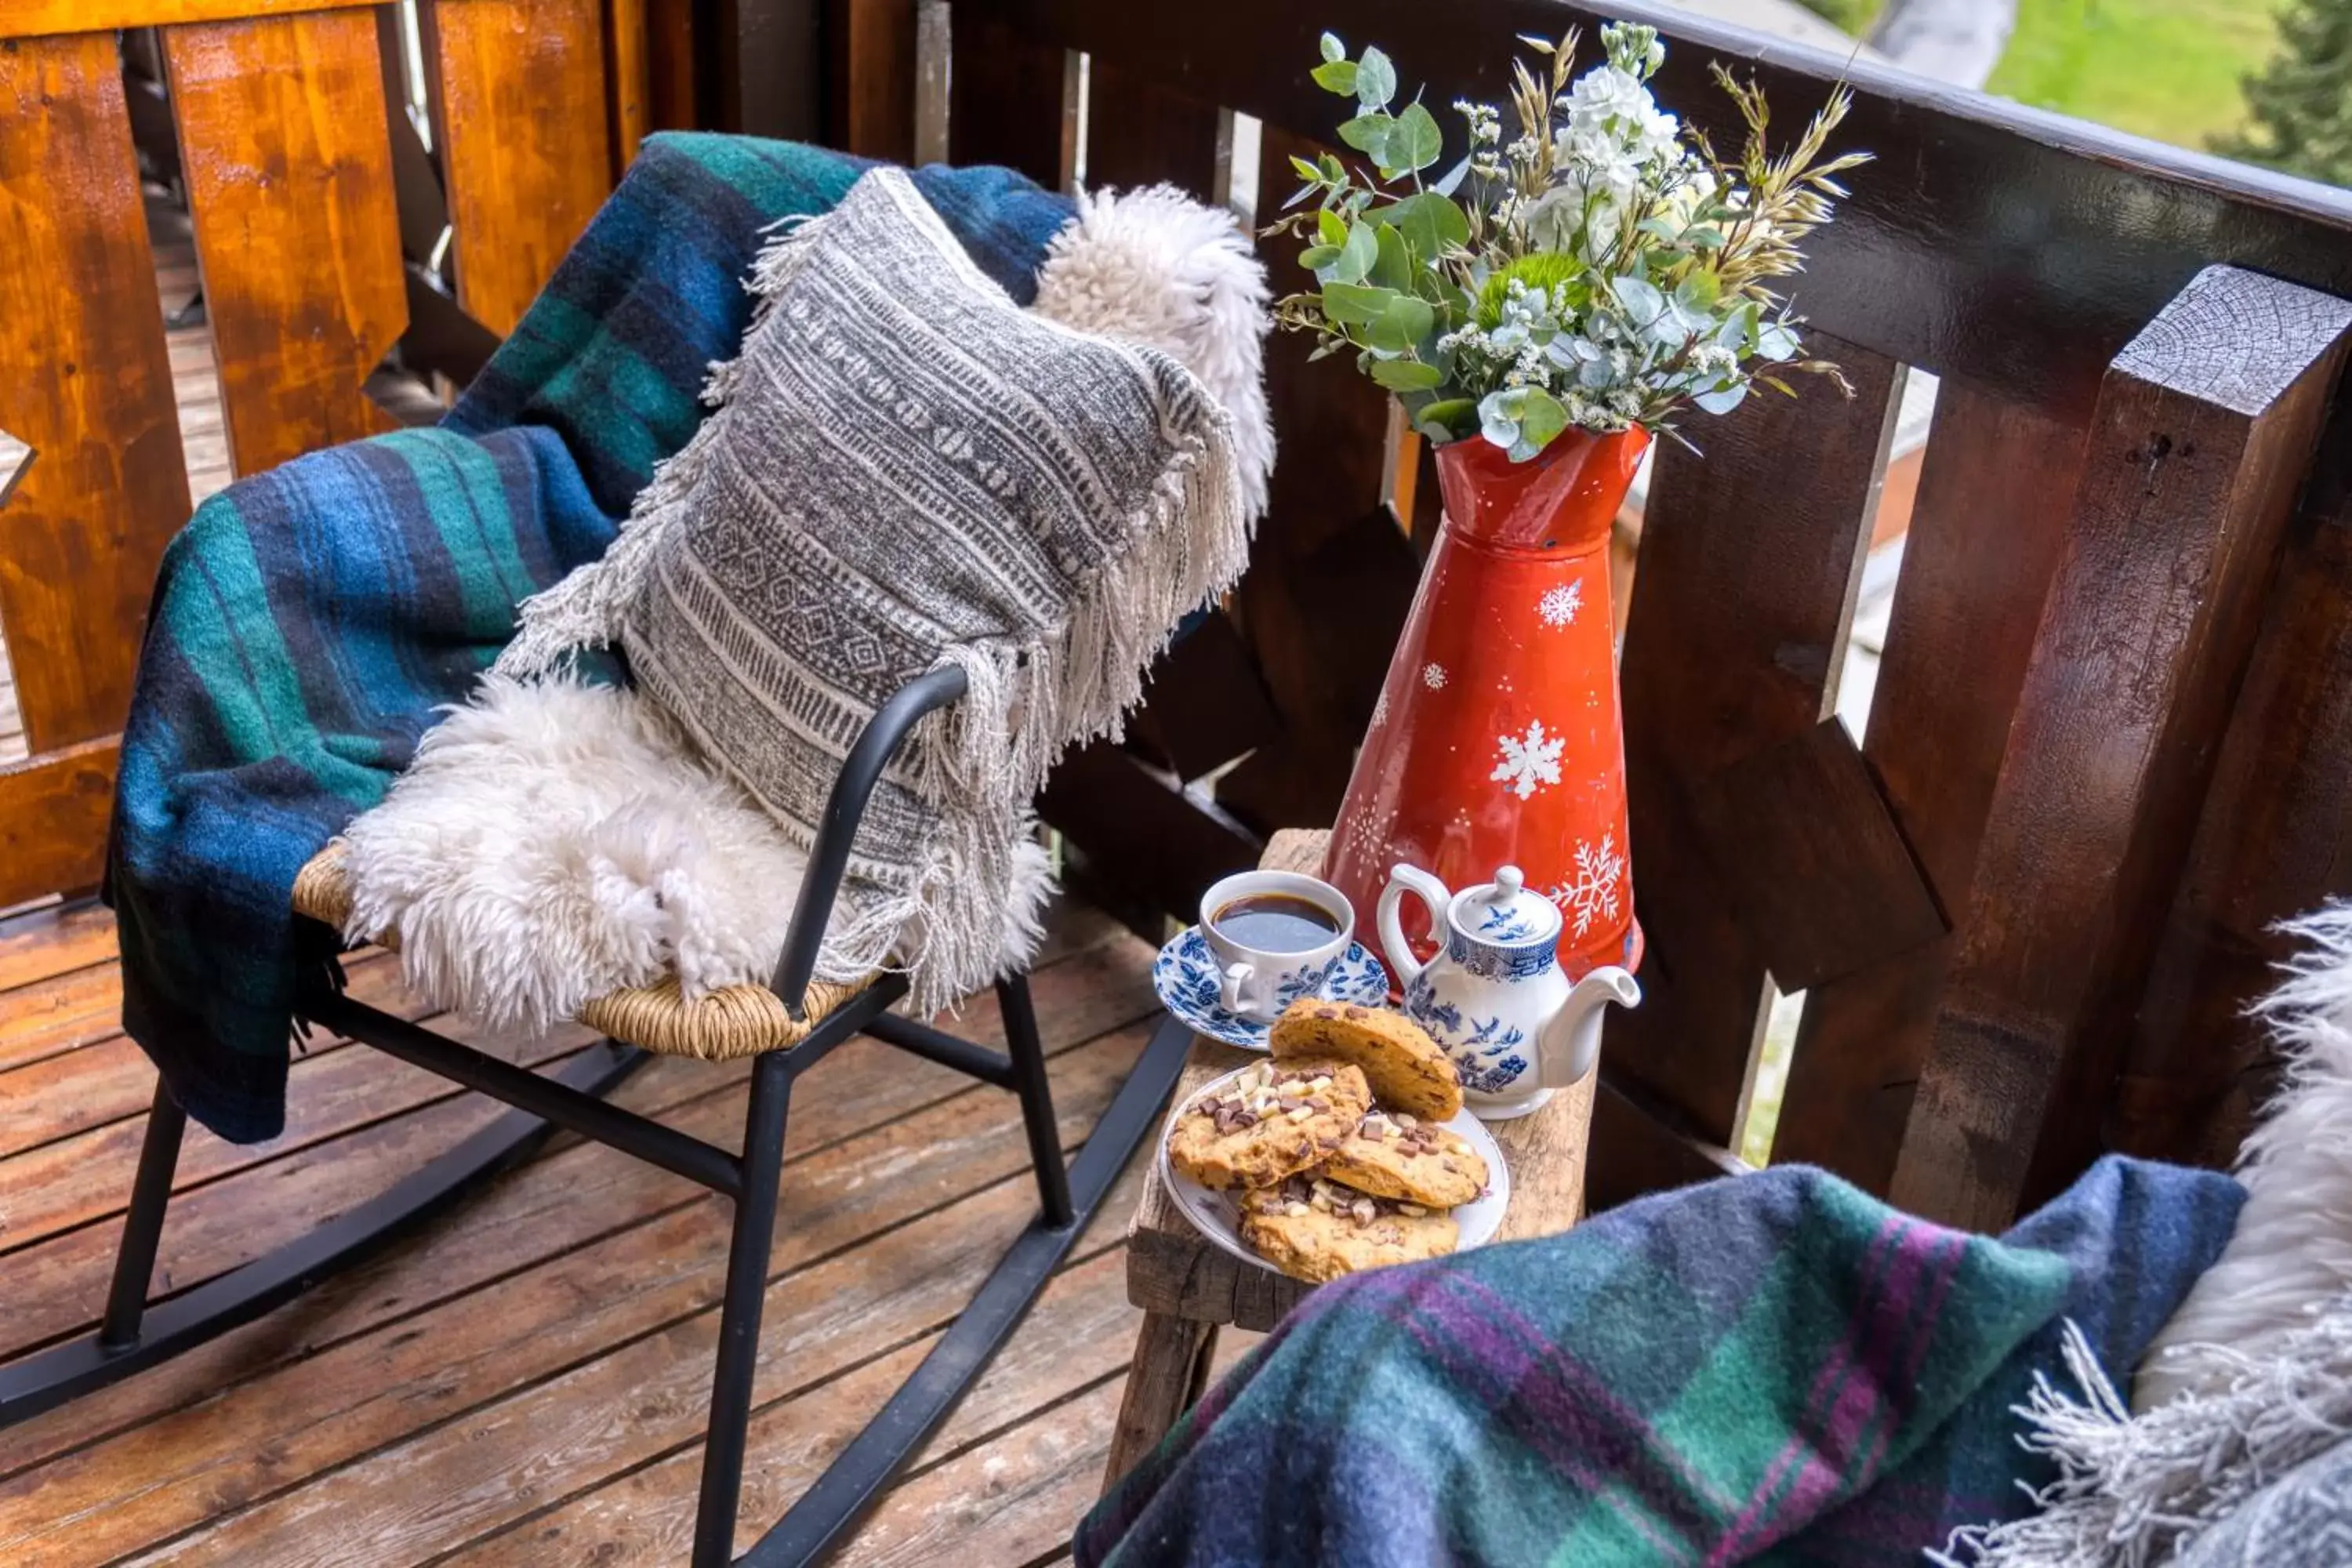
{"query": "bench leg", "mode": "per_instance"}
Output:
(739, 1318)
(142, 1227)
(1167, 1376)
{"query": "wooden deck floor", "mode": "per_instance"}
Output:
(525, 1381)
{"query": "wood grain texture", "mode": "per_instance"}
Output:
(289, 158)
(1138, 132)
(519, 117)
(628, 79)
(2274, 842)
(53, 815)
(1750, 554)
(1174, 1271)
(85, 382)
(1639, 1146)
(1166, 1376)
(1994, 490)
(2200, 444)
(870, 51)
(1011, 102)
(35, 18)
(1819, 868)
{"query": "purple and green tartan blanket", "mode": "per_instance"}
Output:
(1775, 1368)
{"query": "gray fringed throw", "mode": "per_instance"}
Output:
(908, 471)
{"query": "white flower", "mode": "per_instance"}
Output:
(1530, 761)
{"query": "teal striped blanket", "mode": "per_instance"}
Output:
(1773, 1368)
(308, 622)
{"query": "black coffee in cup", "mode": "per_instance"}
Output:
(1275, 922)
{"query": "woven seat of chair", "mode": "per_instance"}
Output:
(739, 1021)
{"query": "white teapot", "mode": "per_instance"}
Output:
(1494, 997)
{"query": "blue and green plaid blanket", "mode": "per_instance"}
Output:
(309, 621)
(1773, 1368)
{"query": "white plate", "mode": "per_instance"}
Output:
(1216, 1215)
(1185, 975)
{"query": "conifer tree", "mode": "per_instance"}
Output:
(2300, 105)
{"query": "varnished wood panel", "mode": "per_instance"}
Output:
(628, 76)
(520, 115)
(1752, 548)
(289, 158)
(1011, 102)
(53, 818)
(1140, 133)
(2202, 439)
(1994, 491)
(871, 63)
(84, 382)
(34, 18)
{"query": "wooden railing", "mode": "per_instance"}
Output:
(2112, 735)
(303, 182)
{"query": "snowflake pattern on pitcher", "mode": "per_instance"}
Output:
(1530, 761)
(1379, 709)
(1597, 887)
(1559, 606)
(1433, 675)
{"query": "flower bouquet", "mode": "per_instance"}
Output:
(1540, 309)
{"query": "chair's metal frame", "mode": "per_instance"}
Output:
(134, 1335)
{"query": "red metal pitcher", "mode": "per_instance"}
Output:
(1496, 738)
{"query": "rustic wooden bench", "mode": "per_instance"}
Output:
(1189, 1288)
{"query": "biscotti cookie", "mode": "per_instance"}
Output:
(1316, 1230)
(1400, 1156)
(1273, 1119)
(1407, 1071)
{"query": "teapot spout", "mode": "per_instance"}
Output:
(1571, 1041)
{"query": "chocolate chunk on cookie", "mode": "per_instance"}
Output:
(1276, 1119)
(1403, 1157)
(1406, 1068)
(1316, 1230)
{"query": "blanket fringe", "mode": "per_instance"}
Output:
(2134, 1491)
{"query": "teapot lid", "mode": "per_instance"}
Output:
(1506, 913)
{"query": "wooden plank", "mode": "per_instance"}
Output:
(587, 1190)
(2271, 844)
(36, 18)
(1739, 616)
(1639, 1147)
(1011, 102)
(520, 121)
(50, 943)
(870, 60)
(632, 1403)
(84, 383)
(1819, 868)
(1075, 1336)
(1203, 703)
(1330, 578)
(1142, 832)
(2202, 437)
(288, 160)
(53, 817)
(1173, 1269)
(841, 1237)
(1994, 490)
(628, 78)
(1140, 133)
(1166, 1376)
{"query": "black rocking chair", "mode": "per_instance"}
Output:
(134, 1335)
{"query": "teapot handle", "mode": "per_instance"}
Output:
(1403, 879)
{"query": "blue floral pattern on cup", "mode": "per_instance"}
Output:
(1185, 975)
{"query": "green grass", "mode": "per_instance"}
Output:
(2168, 69)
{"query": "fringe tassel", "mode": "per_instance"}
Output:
(2133, 1491)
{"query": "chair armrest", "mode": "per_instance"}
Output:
(844, 808)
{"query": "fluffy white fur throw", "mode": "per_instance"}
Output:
(2252, 1375)
(553, 842)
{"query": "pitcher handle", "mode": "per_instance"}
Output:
(1403, 879)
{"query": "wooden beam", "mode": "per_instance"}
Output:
(2202, 437)
(36, 18)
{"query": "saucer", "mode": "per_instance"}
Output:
(1218, 1216)
(1185, 975)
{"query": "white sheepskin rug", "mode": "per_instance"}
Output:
(554, 842)
(2253, 1375)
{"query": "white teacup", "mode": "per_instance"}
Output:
(1274, 935)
